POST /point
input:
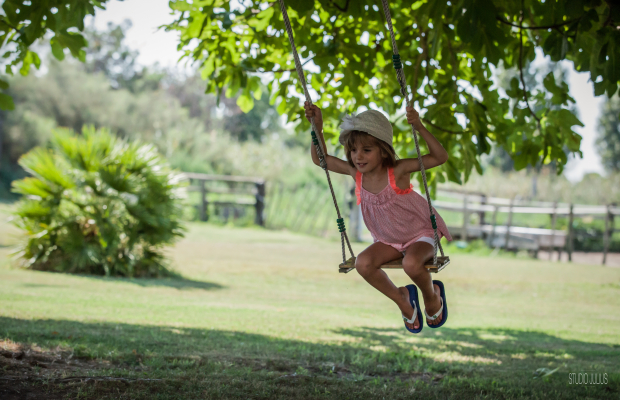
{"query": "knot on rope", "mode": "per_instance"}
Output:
(314, 138)
(396, 60)
(433, 222)
(341, 226)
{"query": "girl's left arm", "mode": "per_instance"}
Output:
(436, 156)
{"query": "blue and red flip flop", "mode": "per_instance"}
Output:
(415, 303)
(444, 307)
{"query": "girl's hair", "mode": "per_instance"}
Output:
(363, 138)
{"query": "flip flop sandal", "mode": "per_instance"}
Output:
(413, 299)
(444, 308)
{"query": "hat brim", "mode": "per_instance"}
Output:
(344, 135)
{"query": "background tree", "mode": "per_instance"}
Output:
(450, 50)
(108, 53)
(536, 76)
(453, 47)
(162, 106)
(68, 96)
(608, 141)
(22, 22)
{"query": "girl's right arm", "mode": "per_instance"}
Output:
(334, 164)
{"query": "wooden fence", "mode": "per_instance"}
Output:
(308, 209)
(305, 208)
(509, 236)
(240, 187)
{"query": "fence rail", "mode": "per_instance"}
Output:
(307, 208)
(237, 186)
(532, 207)
(524, 237)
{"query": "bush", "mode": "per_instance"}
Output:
(590, 237)
(97, 205)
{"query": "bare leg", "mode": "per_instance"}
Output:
(368, 265)
(413, 264)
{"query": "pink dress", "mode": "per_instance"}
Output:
(397, 217)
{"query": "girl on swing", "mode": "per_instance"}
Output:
(397, 217)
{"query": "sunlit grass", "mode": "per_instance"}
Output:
(257, 307)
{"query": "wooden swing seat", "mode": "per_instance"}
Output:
(442, 262)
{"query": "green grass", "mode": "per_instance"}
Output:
(264, 314)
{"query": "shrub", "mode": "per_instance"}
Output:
(96, 204)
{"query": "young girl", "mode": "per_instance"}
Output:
(398, 218)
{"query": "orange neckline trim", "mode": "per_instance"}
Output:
(393, 183)
(391, 178)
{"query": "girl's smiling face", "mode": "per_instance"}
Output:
(366, 155)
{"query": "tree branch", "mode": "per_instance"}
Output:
(346, 6)
(280, 70)
(440, 128)
(503, 21)
(521, 66)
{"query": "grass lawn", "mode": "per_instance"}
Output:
(265, 315)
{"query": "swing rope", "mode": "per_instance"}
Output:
(317, 143)
(400, 76)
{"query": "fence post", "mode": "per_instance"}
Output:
(483, 202)
(492, 236)
(570, 233)
(259, 219)
(203, 200)
(465, 219)
(606, 234)
(553, 221)
(507, 239)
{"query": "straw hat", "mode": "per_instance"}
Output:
(372, 122)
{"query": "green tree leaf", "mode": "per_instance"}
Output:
(57, 50)
(301, 6)
(24, 22)
(6, 102)
(245, 102)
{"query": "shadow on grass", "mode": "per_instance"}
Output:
(466, 361)
(397, 351)
(507, 348)
(177, 282)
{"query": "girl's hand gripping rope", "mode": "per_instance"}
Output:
(333, 164)
(314, 111)
(413, 117)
